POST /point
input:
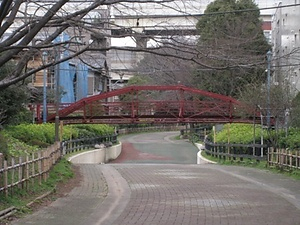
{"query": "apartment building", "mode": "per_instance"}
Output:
(286, 45)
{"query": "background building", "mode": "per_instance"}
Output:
(85, 75)
(144, 24)
(178, 17)
(286, 45)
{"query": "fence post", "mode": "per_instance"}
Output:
(33, 168)
(291, 159)
(59, 151)
(277, 156)
(5, 178)
(281, 157)
(63, 148)
(284, 157)
(53, 154)
(40, 167)
(27, 172)
(297, 159)
(49, 161)
(1, 167)
(20, 172)
(269, 156)
(13, 171)
(44, 165)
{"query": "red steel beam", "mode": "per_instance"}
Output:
(220, 108)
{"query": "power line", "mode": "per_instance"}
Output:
(205, 14)
(286, 65)
(250, 10)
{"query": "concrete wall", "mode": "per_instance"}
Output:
(97, 156)
(200, 158)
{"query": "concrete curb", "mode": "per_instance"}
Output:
(200, 158)
(97, 156)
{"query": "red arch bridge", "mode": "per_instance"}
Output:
(152, 104)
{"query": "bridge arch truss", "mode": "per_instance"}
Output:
(156, 105)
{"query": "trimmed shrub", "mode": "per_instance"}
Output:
(239, 133)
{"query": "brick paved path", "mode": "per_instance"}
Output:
(193, 194)
(160, 147)
(78, 206)
(175, 194)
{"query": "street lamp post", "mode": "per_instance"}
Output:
(44, 57)
(269, 55)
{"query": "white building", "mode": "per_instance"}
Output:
(286, 49)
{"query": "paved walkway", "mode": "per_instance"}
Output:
(156, 182)
(152, 194)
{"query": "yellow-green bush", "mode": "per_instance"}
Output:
(26, 138)
(239, 133)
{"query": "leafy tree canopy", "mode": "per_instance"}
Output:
(233, 43)
(138, 80)
(236, 21)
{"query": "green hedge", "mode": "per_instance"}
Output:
(239, 133)
(26, 138)
(243, 134)
(291, 140)
(87, 130)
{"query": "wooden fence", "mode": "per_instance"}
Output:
(236, 151)
(284, 158)
(281, 158)
(23, 172)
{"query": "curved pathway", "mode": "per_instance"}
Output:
(152, 194)
(160, 147)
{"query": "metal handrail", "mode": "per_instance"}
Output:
(70, 146)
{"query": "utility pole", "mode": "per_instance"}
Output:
(59, 56)
(57, 100)
(269, 55)
(44, 89)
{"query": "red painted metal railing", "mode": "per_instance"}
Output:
(153, 104)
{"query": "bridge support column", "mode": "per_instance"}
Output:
(141, 42)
